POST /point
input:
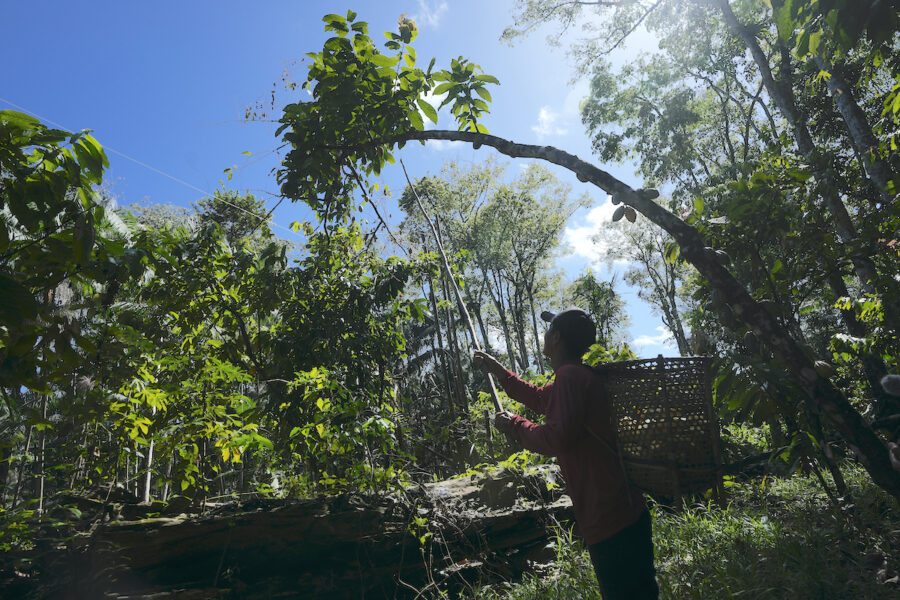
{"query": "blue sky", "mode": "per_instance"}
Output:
(167, 84)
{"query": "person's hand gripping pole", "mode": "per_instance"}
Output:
(503, 420)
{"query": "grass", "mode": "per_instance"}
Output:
(778, 538)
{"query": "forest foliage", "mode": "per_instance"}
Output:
(204, 358)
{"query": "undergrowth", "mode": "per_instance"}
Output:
(775, 538)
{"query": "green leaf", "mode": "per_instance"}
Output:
(672, 253)
(332, 18)
(428, 109)
(416, 119)
(481, 91)
(88, 162)
(383, 60)
(783, 20)
(443, 87)
(18, 119)
(776, 267)
(95, 149)
(814, 40)
(487, 79)
(803, 44)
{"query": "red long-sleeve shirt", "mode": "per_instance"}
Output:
(603, 501)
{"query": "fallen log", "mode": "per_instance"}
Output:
(444, 536)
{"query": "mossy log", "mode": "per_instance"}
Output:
(477, 528)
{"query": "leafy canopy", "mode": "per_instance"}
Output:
(364, 101)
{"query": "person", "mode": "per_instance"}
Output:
(611, 515)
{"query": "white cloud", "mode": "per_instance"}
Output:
(551, 122)
(430, 13)
(441, 145)
(547, 123)
(662, 340)
(580, 237)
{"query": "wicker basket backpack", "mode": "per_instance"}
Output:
(666, 431)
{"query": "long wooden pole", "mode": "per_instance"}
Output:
(459, 299)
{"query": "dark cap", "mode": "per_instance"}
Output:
(575, 326)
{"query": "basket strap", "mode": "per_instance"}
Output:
(609, 447)
(606, 444)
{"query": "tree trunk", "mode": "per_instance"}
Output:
(684, 349)
(476, 308)
(454, 352)
(39, 492)
(440, 345)
(147, 478)
(5, 457)
(866, 145)
(538, 338)
(165, 492)
(501, 312)
(513, 297)
(453, 333)
(782, 94)
(484, 529)
(82, 457)
(828, 457)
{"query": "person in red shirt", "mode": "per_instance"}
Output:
(612, 516)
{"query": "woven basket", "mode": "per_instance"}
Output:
(666, 430)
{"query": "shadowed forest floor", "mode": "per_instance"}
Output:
(499, 535)
(777, 538)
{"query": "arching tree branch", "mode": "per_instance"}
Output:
(824, 397)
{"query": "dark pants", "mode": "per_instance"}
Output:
(624, 563)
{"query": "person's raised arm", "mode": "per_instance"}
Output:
(565, 419)
(530, 395)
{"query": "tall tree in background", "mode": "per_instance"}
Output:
(241, 216)
(658, 279)
(605, 306)
(508, 234)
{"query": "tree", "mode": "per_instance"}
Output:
(604, 305)
(365, 102)
(241, 216)
(52, 229)
(659, 280)
(175, 359)
(505, 235)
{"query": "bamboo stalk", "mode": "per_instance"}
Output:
(459, 300)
